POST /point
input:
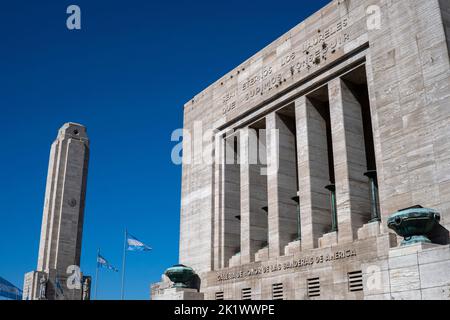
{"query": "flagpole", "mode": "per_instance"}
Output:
(96, 275)
(124, 256)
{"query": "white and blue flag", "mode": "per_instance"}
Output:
(133, 244)
(102, 262)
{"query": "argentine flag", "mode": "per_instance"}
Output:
(134, 244)
(102, 262)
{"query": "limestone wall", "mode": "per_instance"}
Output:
(408, 74)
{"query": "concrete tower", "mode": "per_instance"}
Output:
(62, 222)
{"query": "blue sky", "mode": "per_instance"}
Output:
(125, 75)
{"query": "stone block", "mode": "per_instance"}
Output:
(235, 260)
(293, 248)
(328, 240)
(407, 295)
(179, 294)
(405, 279)
(262, 254)
(431, 274)
(369, 230)
(432, 255)
(403, 261)
(437, 293)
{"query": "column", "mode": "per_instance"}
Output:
(253, 197)
(313, 168)
(230, 223)
(352, 189)
(219, 181)
(281, 183)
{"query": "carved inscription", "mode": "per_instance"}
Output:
(303, 59)
(229, 101)
(294, 264)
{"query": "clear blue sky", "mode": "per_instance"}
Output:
(126, 76)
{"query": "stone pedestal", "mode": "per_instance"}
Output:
(235, 260)
(369, 230)
(53, 288)
(32, 286)
(328, 240)
(414, 272)
(293, 248)
(262, 254)
(178, 294)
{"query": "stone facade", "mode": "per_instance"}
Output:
(62, 222)
(179, 294)
(339, 96)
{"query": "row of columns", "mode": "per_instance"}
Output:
(303, 164)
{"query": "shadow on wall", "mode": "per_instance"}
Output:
(195, 283)
(439, 235)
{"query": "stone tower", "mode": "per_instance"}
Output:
(62, 222)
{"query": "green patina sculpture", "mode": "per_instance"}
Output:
(414, 224)
(180, 275)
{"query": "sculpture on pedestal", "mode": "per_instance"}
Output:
(181, 276)
(86, 288)
(414, 224)
(43, 288)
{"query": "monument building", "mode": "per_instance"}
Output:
(57, 276)
(331, 171)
